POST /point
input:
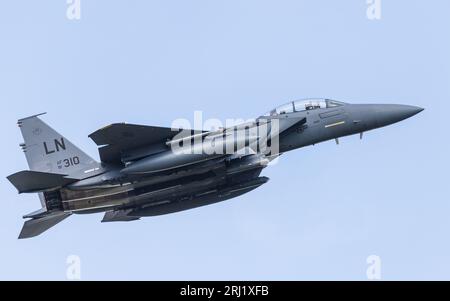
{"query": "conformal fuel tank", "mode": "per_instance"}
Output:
(165, 161)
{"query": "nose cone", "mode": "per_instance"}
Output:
(389, 114)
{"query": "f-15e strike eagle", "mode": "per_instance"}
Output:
(148, 170)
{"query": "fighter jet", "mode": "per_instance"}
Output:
(148, 170)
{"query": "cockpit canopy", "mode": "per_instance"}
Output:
(304, 105)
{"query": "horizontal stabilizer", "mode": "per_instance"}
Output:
(36, 181)
(34, 227)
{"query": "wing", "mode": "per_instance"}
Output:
(117, 140)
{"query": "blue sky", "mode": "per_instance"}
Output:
(325, 209)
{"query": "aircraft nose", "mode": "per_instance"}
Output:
(388, 114)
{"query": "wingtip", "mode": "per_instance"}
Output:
(32, 116)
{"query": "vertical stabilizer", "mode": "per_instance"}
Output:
(48, 151)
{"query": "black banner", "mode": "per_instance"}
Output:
(223, 290)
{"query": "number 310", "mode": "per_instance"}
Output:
(71, 161)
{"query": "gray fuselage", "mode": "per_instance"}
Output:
(136, 190)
